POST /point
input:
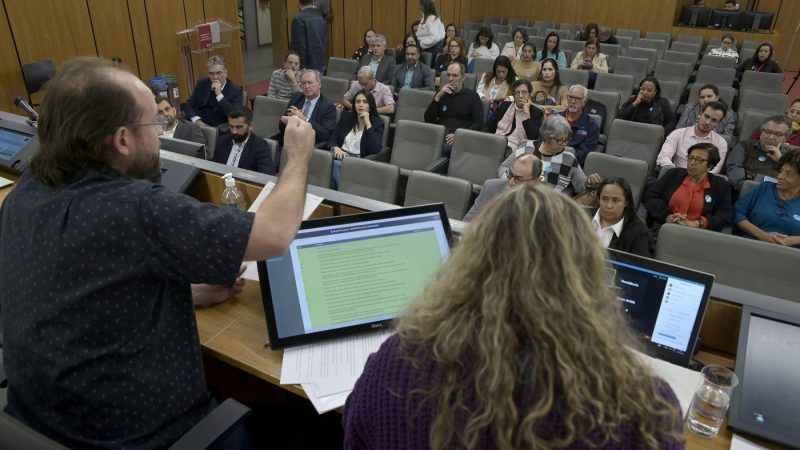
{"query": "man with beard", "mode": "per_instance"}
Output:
(178, 128)
(242, 148)
(674, 152)
(101, 268)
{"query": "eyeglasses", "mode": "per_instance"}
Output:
(516, 178)
(772, 133)
(574, 99)
(159, 122)
(696, 159)
(518, 93)
(562, 141)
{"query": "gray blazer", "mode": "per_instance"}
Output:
(385, 67)
(422, 78)
(189, 132)
(491, 189)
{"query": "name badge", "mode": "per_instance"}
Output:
(581, 133)
(762, 158)
(797, 217)
(444, 108)
(708, 199)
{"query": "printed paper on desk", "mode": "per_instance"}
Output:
(740, 443)
(324, 403)
(684, 382)
(312, 202)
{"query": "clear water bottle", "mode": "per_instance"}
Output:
(232, 197)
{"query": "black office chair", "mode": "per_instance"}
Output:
(36, 74)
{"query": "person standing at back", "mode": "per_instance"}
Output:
(431, 29)
(310, 36)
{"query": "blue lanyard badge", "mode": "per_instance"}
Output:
(708, 198)
(762, 158)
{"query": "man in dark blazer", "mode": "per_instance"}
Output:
(313, 107)
(422, 76)
(241, 147)
(380, 63)
(178, 128)
(526, 169)
(213, 97)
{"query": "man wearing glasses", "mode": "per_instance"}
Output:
(519, 123)
(585, 132)
(214, 97)
(676, 146)
(753, 159)
(526, 169)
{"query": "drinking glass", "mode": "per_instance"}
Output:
(711, 400)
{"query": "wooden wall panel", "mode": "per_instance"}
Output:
(357, 18)
(165, 20)
(46, 29)
(786, 23)
(386, 18)
(337, 31)
(112, 31)
(228, 11)
(140, 30)
(11, 82)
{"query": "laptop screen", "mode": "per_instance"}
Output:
(349, 274)
(665, 303)
(12, 141)
(766, 401)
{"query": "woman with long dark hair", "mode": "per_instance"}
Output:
(483, 47)
(496, 85)
(357, 134)
(552, 51)
(431, 29)
(616, 223)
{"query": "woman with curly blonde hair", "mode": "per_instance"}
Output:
(517, 343)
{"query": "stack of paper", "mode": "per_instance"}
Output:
(329, 370)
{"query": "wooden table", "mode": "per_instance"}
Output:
(235, 333)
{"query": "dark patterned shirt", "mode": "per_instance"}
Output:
(100, 341)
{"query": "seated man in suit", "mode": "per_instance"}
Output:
(526, 169)
(241, 147)
(455, 106)
(384, 100)
(413, 73)
(178, 128)
(213, 97)
(382, 65)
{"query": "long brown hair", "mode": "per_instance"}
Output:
(523, 311)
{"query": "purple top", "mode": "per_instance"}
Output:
(379, 415)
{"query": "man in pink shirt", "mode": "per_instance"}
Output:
(366, 80)
(674, 150)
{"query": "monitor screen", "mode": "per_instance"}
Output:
(353, 273)
(766, 401)
(11, 142)
(757, 20)
(729, 20)
(695, 16)
(187, 148)
(665, 303)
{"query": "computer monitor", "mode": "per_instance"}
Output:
(725, 19)
(767, 365)
(351, 274)
(187, 148)
(756, 21)
(694, 16)
(665, 303)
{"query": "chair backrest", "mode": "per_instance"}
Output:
(416, 144)
(689, 47)
(673, 91)
(211, 139)
(319, 168)
(411, 105)
(633, 170)
(385, 139)
(427, 58)
(625, 42)
(657, 35)
(612, 52)
(770, 83)
(657, 44)
(574, 76)
(684, 57)
(492, 20)
(633, 34)
(635, 140)
(334, 88)
(715, 41)
(672, 71)
(267, 113)
(502, 38)
(36, 74)
(650, 54)
(690, 38)
(718, 61)
(471, 35)
(726, 93)
(611, 82)
(747, 186)
(370, 179)
(499, 28)
(761, 101)
(635, 67)
(749, 48)
(514, 23)
(568, 55)
(573, 28)
(426, 187)
(611, 101)
(715, 75)
(746, 264)
(573, 46)
(482, 65)
(537, 41)
(476, 155)
(470, 81)
(532, 32)
(748, 123)
(563, 34)
(543, 25)
(343, 68)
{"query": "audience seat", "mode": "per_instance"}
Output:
(36, 75)
(570, 77)
(635, 67)
(426, 187)
(538, 41)
(470, 81)
(715, 75)
(658, 45)
(370, 179)
(502, 38)
(343, 68)
(427, 58)
(411, 104)
(633, 170)
(672, 71)
(625, 42)
(416, 145)
(748, 123)
(563, 34)
(770, 83)
(760, 101)
(684, 57)
(267, 113)
(499, 28)
(543, 25)
(688, 47)
(635, 140)
(573, 46)
(650, 54)
(718, 61)
(612, 52)
(475, 157)
(532, 33)
(735, 261)
(673, 91)
(657, 35)
(319, 168)
(633, 34)
(482, 65)
(690, 38)
(574, 29)
(747, 186)
(748, 49)
(611, 100)
(492, 20)
(211, 139)
(611, 82)
(335, 88)
(514, 23)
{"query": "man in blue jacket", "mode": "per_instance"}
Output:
(310, 36)
(585, 132)
(213, 97)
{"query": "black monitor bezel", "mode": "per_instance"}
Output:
(703, 16)
(729, 13)
(748, 18)
(183, 147)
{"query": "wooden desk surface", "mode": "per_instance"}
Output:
(235, 332)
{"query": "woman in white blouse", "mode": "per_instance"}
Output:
(483, 47)
(513, 49)
(495, 85)
(726, 48)
(591, 59)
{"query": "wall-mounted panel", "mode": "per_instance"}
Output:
(357, 18)
(140, 30)
(111, 23)
(387, 19)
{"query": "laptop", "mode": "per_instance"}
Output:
(177, 176)
(765, 403)
(351, 274)
(664, 302)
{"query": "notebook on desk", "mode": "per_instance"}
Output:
(664, 302)
(351, 274)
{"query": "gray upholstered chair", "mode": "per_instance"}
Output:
(634, 171)
(370, 179)
(635, 140)
(416, 145)
(426, 187)
(267, 113)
